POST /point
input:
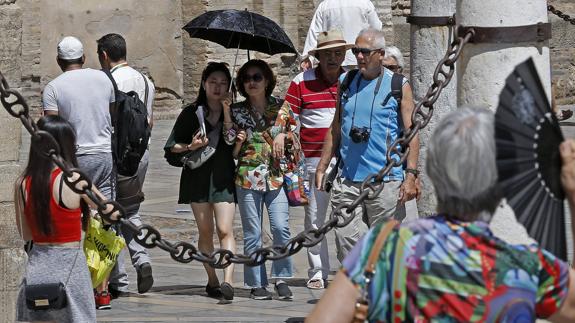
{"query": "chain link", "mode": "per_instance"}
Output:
(561, 15)
(185, 252)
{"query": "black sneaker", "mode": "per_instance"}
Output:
(145, 278)
(284, 293)
(260, 293)
(227, 291)
(214, 292)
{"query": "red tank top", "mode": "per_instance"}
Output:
(66, 223)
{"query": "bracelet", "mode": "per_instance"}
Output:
(412, 171)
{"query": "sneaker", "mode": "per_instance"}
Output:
(103, 300)
(284, 293)
(260, 293)
(145, 278)
(227, 291)
(214, 292)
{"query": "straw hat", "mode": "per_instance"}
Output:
(330, 39)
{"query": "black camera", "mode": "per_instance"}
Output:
(359, 135)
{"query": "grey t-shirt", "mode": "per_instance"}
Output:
(83, 97)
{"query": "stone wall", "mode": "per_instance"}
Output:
(12, 256)
(562, 47)
(152, 32)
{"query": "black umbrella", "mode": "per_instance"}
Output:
(241, 29)
(529, 165)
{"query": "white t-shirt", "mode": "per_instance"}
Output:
(349, 16)
(83, 97)
(129, 79)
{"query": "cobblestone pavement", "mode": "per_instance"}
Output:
(178, 294)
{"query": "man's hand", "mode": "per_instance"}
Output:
(278, 146)
(319, 174)
(408, 190)
(305, 64)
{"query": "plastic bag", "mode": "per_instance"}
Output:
(102, 248)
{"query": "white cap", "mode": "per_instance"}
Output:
(70, 48)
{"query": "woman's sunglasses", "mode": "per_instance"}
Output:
(364, 51)
(257, 77)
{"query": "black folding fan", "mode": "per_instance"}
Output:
(527, 137)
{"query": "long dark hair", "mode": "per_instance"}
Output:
(39, 171)
(212, 67)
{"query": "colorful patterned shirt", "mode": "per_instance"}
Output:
(439, 270)
(257, 169)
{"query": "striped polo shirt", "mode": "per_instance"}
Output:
(312, 101)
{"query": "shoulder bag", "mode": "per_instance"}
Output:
(198, 157)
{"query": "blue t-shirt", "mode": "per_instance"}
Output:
(364, 158)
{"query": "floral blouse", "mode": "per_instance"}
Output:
(257, 169)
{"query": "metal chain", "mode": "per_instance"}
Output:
(185, 252)
(561, 15)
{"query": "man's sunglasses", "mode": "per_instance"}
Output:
(364, 51)
(257, 77)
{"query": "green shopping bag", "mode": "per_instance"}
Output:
(102, 248)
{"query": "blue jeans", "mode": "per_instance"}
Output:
(251, 204)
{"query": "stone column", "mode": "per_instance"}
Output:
(485, 66)
(428, 46)
(12, 256)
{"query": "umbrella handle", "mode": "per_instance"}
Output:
(234, 67)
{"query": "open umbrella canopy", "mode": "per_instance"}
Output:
(241, 29)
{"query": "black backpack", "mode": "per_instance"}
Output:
(131, 129)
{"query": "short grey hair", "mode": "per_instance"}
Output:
(376, 36)
(461, 164)
(395, 53)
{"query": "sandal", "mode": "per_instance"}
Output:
(315, 283)
(564, 115)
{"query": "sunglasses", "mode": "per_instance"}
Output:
(257, 77)
(364, 51)
(393, 68)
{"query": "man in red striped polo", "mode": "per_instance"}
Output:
(312, 96)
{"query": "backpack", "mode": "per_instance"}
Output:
(131, 129)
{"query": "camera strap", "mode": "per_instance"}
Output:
(375, 92)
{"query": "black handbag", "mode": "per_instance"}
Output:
(51, 296)
(197, 158)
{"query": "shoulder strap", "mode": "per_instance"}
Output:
(347, 81)
(145, 92)
(362, 304)
(378, 245)
(397, 87)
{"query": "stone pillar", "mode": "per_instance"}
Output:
(428, 47)
(484, 67)
(12, 256)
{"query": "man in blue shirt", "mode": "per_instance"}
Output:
(367, 120)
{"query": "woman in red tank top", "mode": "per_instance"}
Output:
(51, 215)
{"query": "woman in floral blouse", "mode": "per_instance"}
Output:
(258, 177)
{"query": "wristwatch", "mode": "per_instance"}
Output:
(413, 171)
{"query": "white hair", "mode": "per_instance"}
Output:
(376, 36)
(395, 53)
(461, 164)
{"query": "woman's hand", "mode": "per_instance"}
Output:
(567, 150)
(241, 136)
(198, 142)
(226, 100)
(278, 146)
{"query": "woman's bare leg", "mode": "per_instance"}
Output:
(204, 214)
(224, 214)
